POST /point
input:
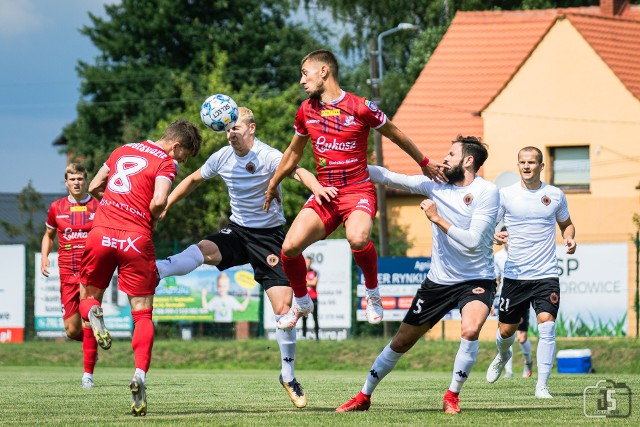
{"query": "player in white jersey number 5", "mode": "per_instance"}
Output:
(530, 210)
(463, 216)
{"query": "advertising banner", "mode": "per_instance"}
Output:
(12, 287)
(208, 295)
(48, 308)
(594, 285)
(331, 259)
(398, 278)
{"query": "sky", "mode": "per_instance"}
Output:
(40, 46)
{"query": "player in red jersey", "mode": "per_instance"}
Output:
(133, 185)
(338, 124)
(71, 217)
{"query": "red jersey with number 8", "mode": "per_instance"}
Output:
(339, 133)
(133, 170)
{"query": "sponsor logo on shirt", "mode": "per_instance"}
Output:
(78, 208)
(372, 105)
(69, 234)
(350, 120)
(272, 260)
(330, 113)
(91, 215)
(322, 145)
(545, 200)
(62, 216)
(322, 162)
(251, 167)
(112, 242)
(123, 206)
(468, 198)
(310, 122)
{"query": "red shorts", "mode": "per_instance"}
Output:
(356, 197)
(131, 252)
(69, 294)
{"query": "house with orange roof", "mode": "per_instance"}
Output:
(566, 81)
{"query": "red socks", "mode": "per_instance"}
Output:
(89, 350)
(367, 259)
(85, 306)
(142, 342)
(296, 270)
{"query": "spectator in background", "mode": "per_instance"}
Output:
(312, 290)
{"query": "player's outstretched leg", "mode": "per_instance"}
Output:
(100, 332)
(374, 311)
(295, 391)
(300, 307)
(361, 402)
(138, 396)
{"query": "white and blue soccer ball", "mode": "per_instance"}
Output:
(219, 112)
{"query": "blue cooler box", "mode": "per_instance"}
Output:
(574, 361)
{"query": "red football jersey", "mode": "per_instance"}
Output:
(339, 133)
(133, 170)
(72, 221)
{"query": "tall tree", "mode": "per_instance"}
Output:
(151, 50)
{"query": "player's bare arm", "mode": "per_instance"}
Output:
(47, 245)
(568, 231)
(289, 161)
(431, 169)
(182, 190)
(99, 183)
(311, 182)
(160, 196)
(429, 208)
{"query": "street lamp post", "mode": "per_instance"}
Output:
(375, 71)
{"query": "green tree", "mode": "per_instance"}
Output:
(151, 51)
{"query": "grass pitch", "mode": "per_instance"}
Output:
(187, 397)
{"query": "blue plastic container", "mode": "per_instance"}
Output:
(574, 361)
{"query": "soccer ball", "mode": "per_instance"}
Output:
(219, 112)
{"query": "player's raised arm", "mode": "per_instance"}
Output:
(183, 189)
(289, 161)
(311, 182)
(431, 169)
(99, 183)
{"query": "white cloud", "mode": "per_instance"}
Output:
(18, 17)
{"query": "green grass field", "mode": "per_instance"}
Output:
(53, 396)
(236, 383)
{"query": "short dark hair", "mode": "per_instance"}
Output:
(186, 133)
(535, 149)
(474, 147)
(325, 56)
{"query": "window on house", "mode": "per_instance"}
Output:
(571, 168)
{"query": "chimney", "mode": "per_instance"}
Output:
(613, 7)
